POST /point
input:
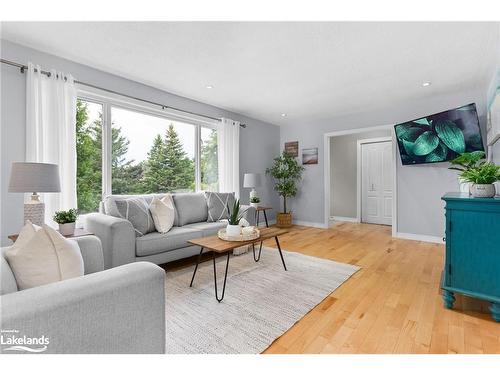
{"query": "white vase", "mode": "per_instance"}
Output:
(67, 229)
(483, 190)
(233, 230)
(255, 205)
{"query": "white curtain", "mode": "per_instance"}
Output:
(228, 140)
(51, 132)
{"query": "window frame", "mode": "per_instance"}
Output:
(109, 101)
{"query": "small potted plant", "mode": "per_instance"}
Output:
(254, 202)
(478, 172)
(66, 221)
(286, 172)
(233, 228)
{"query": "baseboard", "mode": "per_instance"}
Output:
(419, 237)
(344, 218)
(310, 224)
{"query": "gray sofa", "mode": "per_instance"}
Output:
(121, 246)
(121, 310)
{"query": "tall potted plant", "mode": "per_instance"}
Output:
(478, 172)
(286, 172)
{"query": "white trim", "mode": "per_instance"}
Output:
(419, 237)
(344, 218)
(310, 224)
(359, 166)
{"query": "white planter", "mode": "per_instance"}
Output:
(254, 205)
(67, 229)
(233, 230)
(483, 190)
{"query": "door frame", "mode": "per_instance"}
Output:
(326, 158)
(359, 172)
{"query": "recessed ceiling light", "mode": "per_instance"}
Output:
(425, 84)
(209, 87)
(283, 115)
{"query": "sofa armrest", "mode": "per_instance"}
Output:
(249, 213)
(91, 249)
(121, 310)
(117, 237)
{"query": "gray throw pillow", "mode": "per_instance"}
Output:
(136, 210)
(217, 205)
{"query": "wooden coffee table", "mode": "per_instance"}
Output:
(216, 245)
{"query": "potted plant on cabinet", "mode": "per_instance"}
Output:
(66, 221)
(286, 172)
(478, 172)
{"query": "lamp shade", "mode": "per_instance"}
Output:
(34, 177)
(251, 180)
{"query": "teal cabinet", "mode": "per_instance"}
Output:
(472, 259)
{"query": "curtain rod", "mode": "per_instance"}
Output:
(163, 106)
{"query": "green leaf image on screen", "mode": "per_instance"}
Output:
(439, 137)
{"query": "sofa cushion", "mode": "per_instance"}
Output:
(175, 238)
(190, 208)
(43, 256)
(218, 204)
(163, 213)
(109, 202)
(208, 229)
(136, 210)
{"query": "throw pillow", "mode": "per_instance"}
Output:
(163, 213)
(217, 205)
(44, 256)
(136, 210)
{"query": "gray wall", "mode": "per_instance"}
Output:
(259, 142)
(420, 210)
(343, 170)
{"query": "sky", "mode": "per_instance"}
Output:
(141, 129)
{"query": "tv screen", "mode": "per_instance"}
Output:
(439, 137)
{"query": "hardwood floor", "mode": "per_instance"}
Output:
(392, 305)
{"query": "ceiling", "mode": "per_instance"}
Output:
(310, 71)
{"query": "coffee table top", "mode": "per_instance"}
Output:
(214, 243)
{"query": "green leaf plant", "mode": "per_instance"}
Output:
(65, 217)
(474, 169)
(234, 214)
(286, 172)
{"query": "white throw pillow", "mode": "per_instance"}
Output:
(43, 256)
(163, 213)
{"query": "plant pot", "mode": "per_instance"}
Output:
(483, 190)
(255, 205)
(233, 230)
(67, 229)
(284, 220)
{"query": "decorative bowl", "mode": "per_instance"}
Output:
(241, 238)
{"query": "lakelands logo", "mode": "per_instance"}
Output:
(12, 340)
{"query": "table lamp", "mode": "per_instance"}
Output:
(252, 180)
(35, 178)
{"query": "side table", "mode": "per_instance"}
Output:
(258, 210)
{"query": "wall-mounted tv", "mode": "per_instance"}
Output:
(439, 137)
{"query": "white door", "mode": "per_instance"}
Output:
(376, 183)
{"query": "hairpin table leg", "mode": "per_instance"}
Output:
(281, 253)
(225, 278)
(260, 250)
(196, 267)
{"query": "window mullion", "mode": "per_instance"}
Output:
(197, 158)
(106, 150)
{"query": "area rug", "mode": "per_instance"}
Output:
(262, 301)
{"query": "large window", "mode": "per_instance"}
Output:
(129, 150)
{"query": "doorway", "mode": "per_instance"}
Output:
(342, 169)
(376, 179)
